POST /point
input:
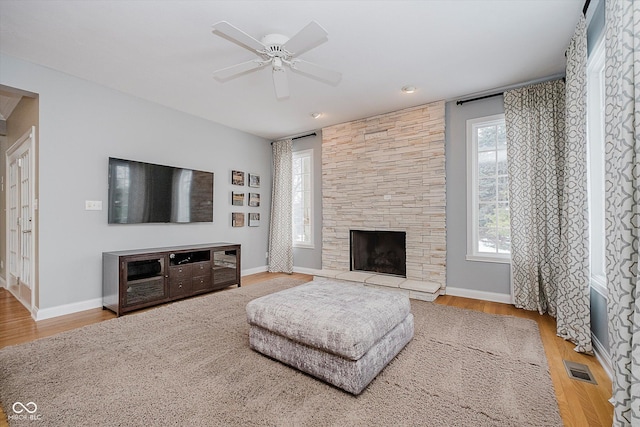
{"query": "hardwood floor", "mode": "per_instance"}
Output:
(581, 404)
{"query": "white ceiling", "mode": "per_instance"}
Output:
(165, 52)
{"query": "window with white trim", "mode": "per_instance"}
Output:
(302, 199)
(595, 147)
(489, 234)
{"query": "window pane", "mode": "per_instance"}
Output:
(487, 240)
(487, 163)
(502, 162)
(503, 215)
(487, 138)
(306, 165)
(504, 240)
(502, 136)
(503, 188)
(487, 215)
(487, 189)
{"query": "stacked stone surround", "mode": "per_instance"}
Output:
(387, 173)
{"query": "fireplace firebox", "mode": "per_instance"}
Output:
(379, 252)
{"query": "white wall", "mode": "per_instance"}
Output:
(81, 125)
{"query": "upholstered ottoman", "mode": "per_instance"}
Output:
(342, 333)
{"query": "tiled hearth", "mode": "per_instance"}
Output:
(387, 173)
(415, 289)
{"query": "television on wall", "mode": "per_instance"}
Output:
(149, 193)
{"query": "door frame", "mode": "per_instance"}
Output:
(27, 142)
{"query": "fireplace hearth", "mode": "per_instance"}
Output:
(381, 252)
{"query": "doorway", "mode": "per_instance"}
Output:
(20, 209)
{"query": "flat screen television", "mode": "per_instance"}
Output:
(145, 192)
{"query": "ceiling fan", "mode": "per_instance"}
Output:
(279, 52)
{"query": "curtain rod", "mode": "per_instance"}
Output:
(478, 98)
(501, 90)
(299, 137)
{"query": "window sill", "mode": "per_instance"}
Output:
(303, 246)
(487, 258)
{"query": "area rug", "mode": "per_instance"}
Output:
(189, 363)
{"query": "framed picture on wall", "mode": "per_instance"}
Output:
(254, 219)
(237, 219)
(237, 199)
(254, 180)
(254, 200)
(237, 177)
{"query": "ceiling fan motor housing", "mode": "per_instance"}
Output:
(273, 44)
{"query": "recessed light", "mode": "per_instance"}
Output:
(408, 89)
(316, 115)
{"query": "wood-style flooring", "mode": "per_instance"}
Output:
(581, 404)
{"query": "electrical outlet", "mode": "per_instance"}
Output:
(266, 255)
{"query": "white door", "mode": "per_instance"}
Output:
(20, 219)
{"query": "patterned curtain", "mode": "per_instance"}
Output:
(547, 160)
(280, 237)
(622, 204)
(535, 123)
(573, 298)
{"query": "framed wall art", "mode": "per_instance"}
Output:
(254, 200)
(254, 219)
(237, 177)
(254, 180)
(237, 199)
(237, 219)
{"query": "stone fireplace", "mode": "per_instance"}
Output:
(387, 173)
(379, 252)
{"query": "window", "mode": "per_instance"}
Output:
(595, 147)
(302, 199)
(489, 236)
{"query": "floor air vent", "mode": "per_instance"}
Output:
(578, 371)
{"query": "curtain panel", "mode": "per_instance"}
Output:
(573, 298)
(534, 118)
(622, 204)
(547, 166)
(280, 234)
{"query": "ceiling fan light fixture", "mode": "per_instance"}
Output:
(408, 89)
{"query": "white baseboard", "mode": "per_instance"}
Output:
(602, 355)
(253, 271)
(481, 295)
(61, 310)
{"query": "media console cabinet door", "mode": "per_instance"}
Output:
(225, 267)
(143, 280)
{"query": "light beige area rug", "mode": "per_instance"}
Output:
(189, 364)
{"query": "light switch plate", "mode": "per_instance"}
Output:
(93, 205)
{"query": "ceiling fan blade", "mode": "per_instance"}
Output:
(280, 83)
(235, 35)
(238, 69)
(316, 71)
(309, 37)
